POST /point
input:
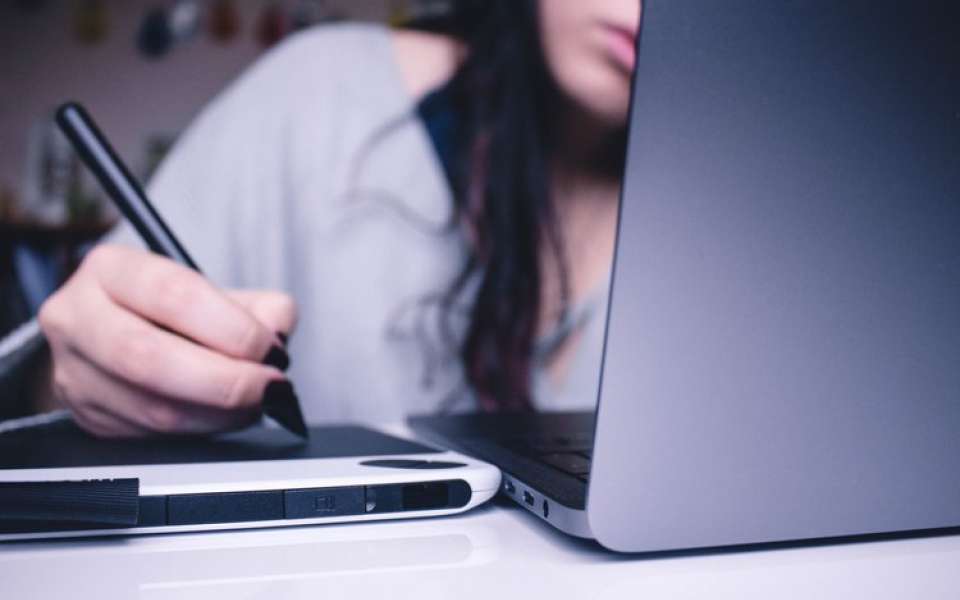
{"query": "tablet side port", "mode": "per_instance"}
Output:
(323, 502)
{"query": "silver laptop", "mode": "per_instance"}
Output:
(782, 358)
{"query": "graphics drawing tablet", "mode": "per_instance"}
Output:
(259, 477)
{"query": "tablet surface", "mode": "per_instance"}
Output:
(63, 444)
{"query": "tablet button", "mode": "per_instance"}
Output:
(323, 502)
(394, 463)
(153, 511)
(403, 463)
(224, 507)
(440, 464)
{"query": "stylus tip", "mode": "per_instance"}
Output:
(280, 404)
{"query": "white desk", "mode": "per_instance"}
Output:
(494, 552)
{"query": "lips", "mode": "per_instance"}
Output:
(621, 45)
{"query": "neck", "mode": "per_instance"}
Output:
(586, 150)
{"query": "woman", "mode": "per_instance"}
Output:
(440, 211)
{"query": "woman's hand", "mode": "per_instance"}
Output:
(141, 345)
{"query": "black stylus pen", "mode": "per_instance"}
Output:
(279, 400)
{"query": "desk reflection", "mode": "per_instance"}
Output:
(495, 551)
(241, 564)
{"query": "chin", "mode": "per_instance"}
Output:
(611, 113)
(604, 94)
(606, 104)
(597, 87)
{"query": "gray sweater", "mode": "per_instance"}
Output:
(313, 174)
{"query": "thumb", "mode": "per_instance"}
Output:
(275, 310)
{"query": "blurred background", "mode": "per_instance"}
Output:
(143, 68)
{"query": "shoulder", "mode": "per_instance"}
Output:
(357, 51)
(336, 44)
(321, 88)
(316, 76)
(357, 54)
(323, 56)
(425, 60)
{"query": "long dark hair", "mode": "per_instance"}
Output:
(503, 94)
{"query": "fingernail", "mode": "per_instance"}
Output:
(283, 337)
(280, 404)
(277, 357)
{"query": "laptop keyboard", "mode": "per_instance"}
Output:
(569, 453)
(574, 464)
(550, 452)
(515, 457)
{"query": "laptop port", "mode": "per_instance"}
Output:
(528, 498)
(546, 510)
(508, 487)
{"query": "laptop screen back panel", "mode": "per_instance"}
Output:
(783, 350)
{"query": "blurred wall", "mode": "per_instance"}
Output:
(42, 64)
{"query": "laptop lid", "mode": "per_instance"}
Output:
(783, 351)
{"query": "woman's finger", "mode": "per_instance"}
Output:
(122, 410)
(132, 349)
(181, 300)
(104, 425)
(276, 310)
